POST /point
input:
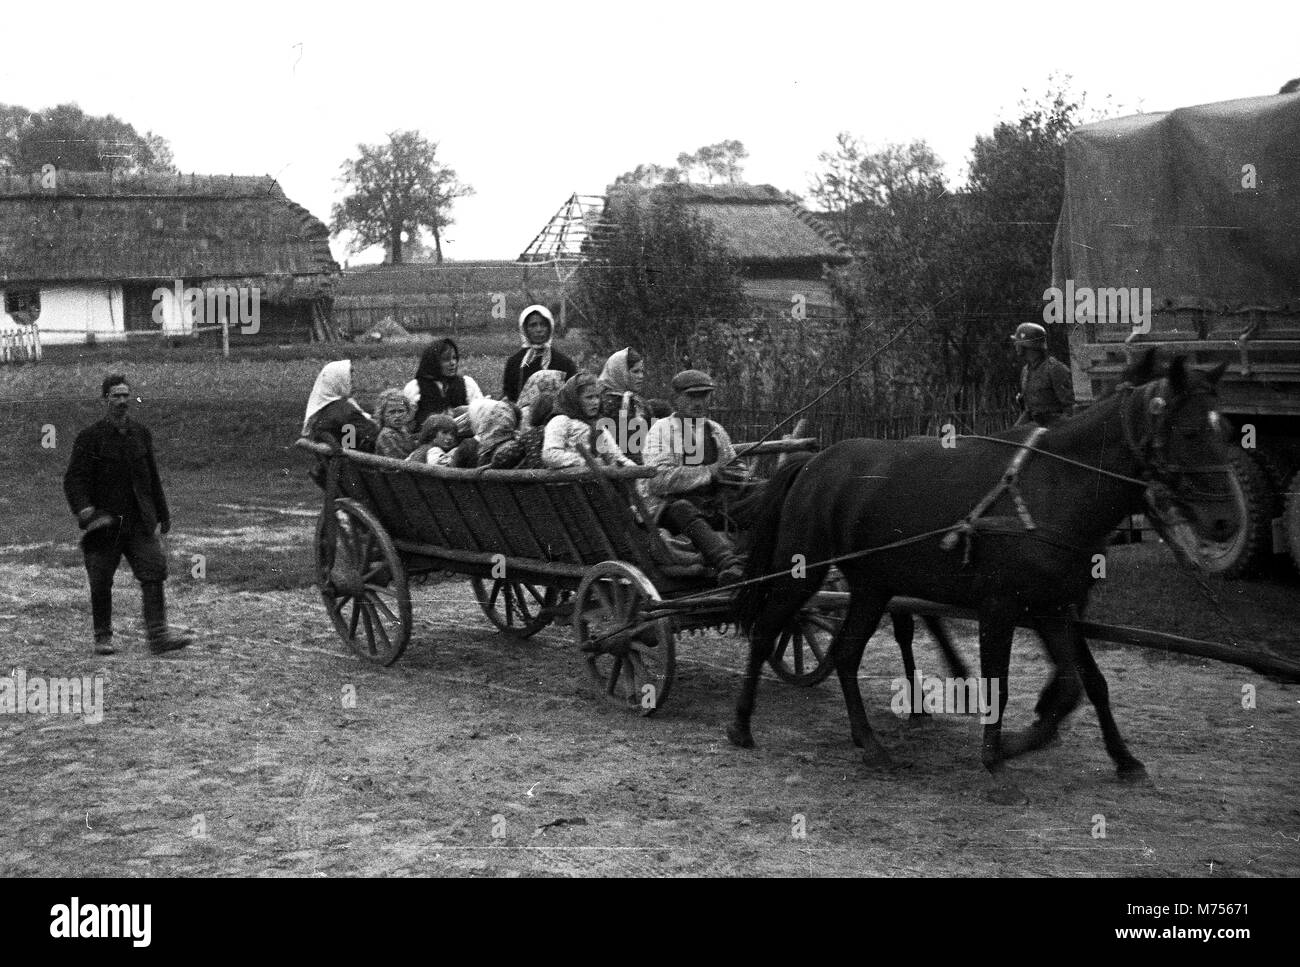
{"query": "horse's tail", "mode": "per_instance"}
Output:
(763, 511)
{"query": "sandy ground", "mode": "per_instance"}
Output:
(479, 755)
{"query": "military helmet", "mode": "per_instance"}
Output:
(1028, 333)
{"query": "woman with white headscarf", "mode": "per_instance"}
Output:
(536, 328)
(331, 409)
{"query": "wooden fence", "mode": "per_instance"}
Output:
(357, 315)
(20, 345)
(832, 425)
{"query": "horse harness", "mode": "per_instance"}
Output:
(1148, 449)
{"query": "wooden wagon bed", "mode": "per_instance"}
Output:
(539, 546)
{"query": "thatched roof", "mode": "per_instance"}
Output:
(99, 228)
(759, 225)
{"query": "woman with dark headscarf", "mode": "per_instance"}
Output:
(574, 424)
(622, 410)
(438, 387)
(536, 327)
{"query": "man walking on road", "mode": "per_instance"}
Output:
(112, 486)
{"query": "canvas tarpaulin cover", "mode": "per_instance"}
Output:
(1164, 201)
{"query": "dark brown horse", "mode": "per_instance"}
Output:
(1151, 446)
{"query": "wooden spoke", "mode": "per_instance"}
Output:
(635, 673)
(357, 563)
(802, 655)
(505, 603)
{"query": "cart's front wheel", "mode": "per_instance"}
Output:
(517, 608)
(634, 665)
(803, 650)
(363, 582)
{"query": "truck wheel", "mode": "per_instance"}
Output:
(1277, 471)
(1253, 541)
(1291, 520)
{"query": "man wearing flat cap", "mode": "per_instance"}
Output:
(691, 454)
(112, 485)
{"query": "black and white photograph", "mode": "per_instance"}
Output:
(685, 440)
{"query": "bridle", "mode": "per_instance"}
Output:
(1148, 445)
(1150, 449)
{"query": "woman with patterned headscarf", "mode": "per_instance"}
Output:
(622, 410)
(546, 383)
(574, 424)
(536, 328)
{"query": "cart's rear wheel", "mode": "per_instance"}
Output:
(803, 650)
(635, 671)
(363, 582)
(517, 608)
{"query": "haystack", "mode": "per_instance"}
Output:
(389, 330)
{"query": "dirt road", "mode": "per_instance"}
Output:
(265, 749)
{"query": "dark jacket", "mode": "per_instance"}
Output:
(116, 471)
(517, 374)
(1046, 392)
(327, 426)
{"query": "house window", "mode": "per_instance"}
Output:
(24, 305)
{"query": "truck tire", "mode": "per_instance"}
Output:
(1291, 520)
(1253, 542)
(1277, 471)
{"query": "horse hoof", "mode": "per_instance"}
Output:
(1134, 773)
(740, 736)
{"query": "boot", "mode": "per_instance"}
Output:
(104, 644)
(161, 638)
(717, 551)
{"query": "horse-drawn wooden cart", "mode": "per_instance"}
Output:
(539, 546)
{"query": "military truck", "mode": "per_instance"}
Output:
(1198, 211)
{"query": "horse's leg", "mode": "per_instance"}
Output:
(1059, 697)
(956, 666)
(997, 625)
(866, 607)
(1129, 766)
(904, 632)
(784, 603)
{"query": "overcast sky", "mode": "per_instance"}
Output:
(530, 102)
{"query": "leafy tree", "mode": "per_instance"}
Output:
(660, 282)
(723, 161)
(397, 190)
(72, 140)
(648, 176)
(964, 267)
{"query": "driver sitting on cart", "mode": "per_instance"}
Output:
(692, 455)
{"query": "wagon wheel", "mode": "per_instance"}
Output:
(363, 583)
(517, 608)
(636, 672)
(803, 650)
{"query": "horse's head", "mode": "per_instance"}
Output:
(1179, 443)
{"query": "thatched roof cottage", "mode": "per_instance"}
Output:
(93, 256)
(782, 248)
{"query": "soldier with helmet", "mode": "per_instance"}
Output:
(1046, 386)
